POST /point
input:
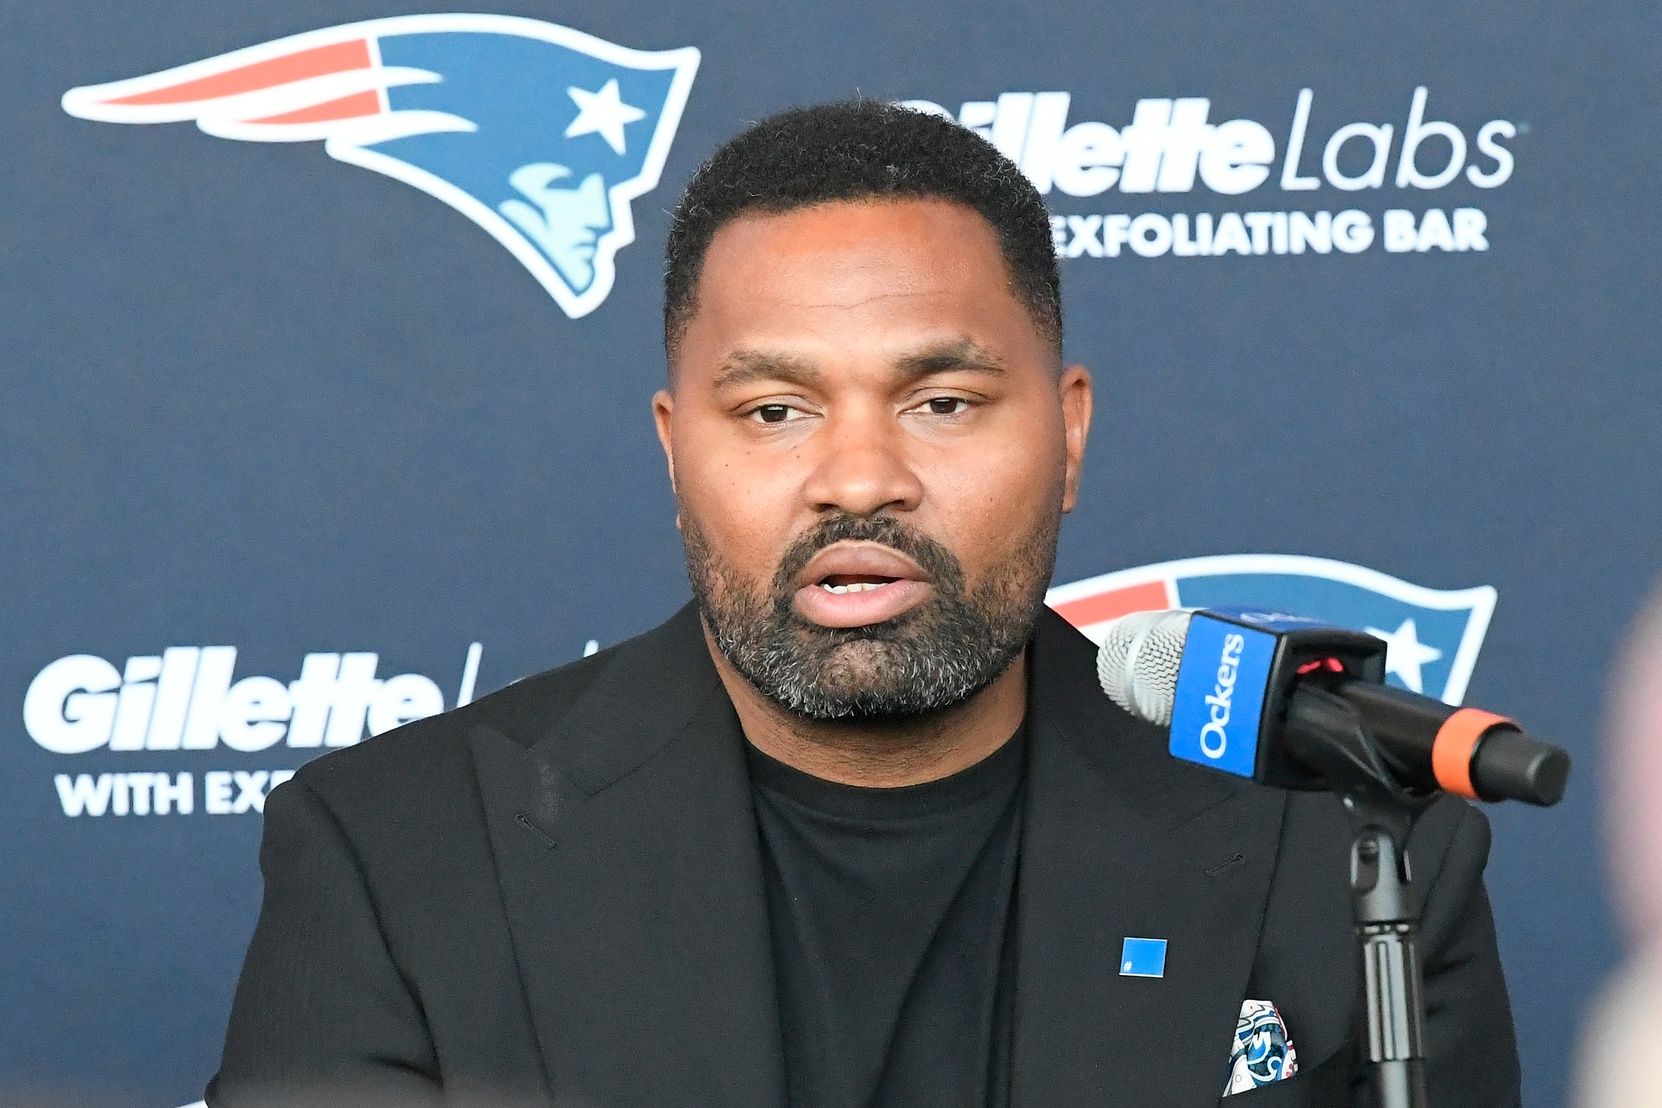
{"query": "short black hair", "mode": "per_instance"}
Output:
(859, 150)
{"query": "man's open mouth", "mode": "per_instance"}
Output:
(857, 584)
(841, 584)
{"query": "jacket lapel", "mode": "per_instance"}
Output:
(1121, 841)
(628, 861)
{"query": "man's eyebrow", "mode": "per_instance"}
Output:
(954, 356)
(747, 366)
(743, 367)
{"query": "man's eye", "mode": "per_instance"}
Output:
(774, 413)
(946, 405)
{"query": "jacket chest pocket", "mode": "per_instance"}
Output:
(1324, 1085)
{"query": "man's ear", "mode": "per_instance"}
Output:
(1074, 389)
(663, 406)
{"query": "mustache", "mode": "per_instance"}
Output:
(937, 561)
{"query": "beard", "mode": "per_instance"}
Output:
(935, 656)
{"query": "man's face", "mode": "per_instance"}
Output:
(871, 448)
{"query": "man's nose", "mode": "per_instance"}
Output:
(863, 466)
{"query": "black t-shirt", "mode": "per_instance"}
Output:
(893, 932)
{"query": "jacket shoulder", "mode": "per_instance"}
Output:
(431, 754)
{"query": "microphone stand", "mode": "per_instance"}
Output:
(1329, 736)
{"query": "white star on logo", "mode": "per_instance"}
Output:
(602, 113)
(1405, 653)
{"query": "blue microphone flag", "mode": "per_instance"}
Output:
(1223, 684)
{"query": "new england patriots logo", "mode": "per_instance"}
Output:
(1432, 636)
(539, 134)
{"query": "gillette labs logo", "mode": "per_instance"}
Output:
(1173, 146)
(1169, 143)
(1214, 739)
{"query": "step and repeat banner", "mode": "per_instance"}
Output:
(329, 332)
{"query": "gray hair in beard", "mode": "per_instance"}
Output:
(933, 657)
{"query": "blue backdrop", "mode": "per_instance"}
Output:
(288, 428)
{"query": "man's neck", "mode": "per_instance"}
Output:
(885, 755)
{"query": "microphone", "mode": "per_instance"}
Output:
(1298, 704)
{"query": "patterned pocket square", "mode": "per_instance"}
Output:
(1262, 1053)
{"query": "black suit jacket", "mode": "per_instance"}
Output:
(553, 896)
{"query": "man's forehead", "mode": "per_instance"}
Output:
(887, 275)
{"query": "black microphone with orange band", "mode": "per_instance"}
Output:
(1291, 702)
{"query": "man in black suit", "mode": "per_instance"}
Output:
(857, 827)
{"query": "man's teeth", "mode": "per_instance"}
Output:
(858, 586)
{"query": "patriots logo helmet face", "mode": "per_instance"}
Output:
(1432, 636)
(540, 134)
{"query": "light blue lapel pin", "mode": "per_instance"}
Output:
(1143, 958)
